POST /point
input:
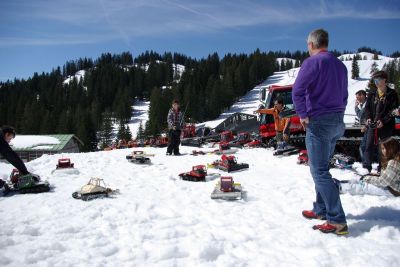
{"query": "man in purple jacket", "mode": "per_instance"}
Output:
(320, 98)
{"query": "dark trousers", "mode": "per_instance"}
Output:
(174, 140)
(372, 151)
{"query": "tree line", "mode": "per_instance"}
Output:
(102, 100)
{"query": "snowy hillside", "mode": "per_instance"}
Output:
(79, 75)
(159, 220)
(139, 115)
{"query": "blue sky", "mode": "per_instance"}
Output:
(38, 35)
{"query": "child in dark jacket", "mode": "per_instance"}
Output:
(175, 123)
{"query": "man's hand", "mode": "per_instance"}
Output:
(379, 124)
(363, 129)
(305, 122)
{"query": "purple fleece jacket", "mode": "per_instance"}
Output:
(321, 86)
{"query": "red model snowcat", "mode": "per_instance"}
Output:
(227, 189)
(197, 174)
(64, 163)
(229, 164)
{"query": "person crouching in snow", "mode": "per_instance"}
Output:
(388, 183)
(7, 133)
(175, 123)
(282, 125)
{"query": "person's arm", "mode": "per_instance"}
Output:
(358, 111)
(266, 111)
(394, 103)
(170, 120)
(367, 108)
(286, 128)
(387, 177)
(12, 157)
(306, 76)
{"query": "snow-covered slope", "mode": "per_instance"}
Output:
(159, 220)
(139, 115)
(79, 75)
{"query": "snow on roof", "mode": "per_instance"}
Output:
(34, 141)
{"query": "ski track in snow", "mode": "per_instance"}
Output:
(159, 220)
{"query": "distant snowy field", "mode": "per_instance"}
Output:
(159, 220)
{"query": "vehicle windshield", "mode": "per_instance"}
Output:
(285, 95)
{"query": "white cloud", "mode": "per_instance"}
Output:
(93, 21)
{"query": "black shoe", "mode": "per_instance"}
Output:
(168, 154)
(177, 154)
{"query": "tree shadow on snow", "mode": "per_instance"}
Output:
(374, 216)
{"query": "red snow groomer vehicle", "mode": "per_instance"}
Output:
(64, 163)
(303, 157)
(241, 139)
(227, 189)
(229, 164)
(188, 131)
(161, 141)
(14, 176)
(197, 174)
(226, 138)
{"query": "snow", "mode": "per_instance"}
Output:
(30, 141)
(159, 220)
(79, 75)
(139, 115)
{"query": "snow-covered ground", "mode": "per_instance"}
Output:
(159, 220)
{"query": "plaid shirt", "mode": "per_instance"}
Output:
(174, 119)
(389, 176)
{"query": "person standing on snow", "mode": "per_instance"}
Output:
(320, 98)
(361, 100)
(282, 125)
(6, 135)
(175, 123)
(379, 114)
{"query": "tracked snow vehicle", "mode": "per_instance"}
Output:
(229, 164)
(227, 189)
(25, 184)
(95, 188)
(139, 157)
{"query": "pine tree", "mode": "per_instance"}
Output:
(141, 132)
(355, 69)
(375, 57)
(374, 68)
(106, 130)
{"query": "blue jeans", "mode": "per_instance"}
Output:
(321, 136)
(363, 146)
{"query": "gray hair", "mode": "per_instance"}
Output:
(319, 38)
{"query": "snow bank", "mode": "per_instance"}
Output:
(159, 220)
(30, 141)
